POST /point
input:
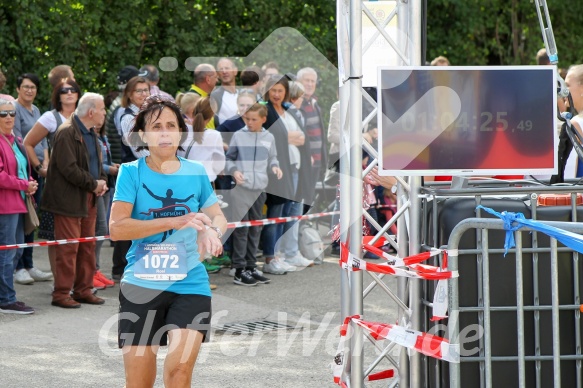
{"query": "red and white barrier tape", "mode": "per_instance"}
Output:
(416, 270)
(54, 242)
(230, 225)
(425, 343)
(278, 220)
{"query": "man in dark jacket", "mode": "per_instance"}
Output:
(74, 178)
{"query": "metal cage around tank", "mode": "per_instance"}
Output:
(522, 309)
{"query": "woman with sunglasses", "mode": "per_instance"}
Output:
(64, 98)
(166, 206)
(15, 185)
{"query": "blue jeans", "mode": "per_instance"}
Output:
(24, 260)
(288, 237)
(100, 224)
(269, 234)
(288, 246)
(11, 232)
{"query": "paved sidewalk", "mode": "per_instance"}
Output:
(56, 347)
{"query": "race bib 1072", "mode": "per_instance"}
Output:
(161, 261)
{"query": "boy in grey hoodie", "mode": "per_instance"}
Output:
(251, 155)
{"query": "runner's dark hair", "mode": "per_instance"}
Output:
(150, 111)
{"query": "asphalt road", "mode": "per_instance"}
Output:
(56, 347)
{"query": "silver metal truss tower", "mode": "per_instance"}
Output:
(407, 47)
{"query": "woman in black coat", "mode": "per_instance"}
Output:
(285, 124)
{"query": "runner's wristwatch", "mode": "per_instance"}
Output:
(38, 167)
(216, 229)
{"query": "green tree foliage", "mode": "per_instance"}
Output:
(500, 32)
(98, 38)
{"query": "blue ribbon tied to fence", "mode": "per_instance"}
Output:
(515, 221)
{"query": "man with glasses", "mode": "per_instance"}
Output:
(152, 75)
(205, 80)
(27, 114)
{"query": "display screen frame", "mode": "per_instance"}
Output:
(499, 118)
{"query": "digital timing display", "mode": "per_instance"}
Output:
(467, 120)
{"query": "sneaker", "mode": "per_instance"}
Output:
(221, 261)
(245, 279)
(260, 278)
(211, 268)
(16, 308)
(233, 271)
(103, 279)
(22, 276)
(299, 261)
(274, 267)
(39, 276)
(286, 266)
(222, 204)
(97, 284)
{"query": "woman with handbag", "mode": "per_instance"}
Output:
(15, 186)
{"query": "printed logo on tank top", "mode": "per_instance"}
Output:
(171, 207)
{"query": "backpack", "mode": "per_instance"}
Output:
(51, 137)
(126, 152)
(310, 243)
(113, 135)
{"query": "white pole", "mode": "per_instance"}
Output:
(355, 197)
(415, 362)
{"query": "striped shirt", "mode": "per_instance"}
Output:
(313, 129)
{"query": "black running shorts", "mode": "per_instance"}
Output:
(146, 315)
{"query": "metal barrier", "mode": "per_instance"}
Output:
(534, 351)
(486, 358)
